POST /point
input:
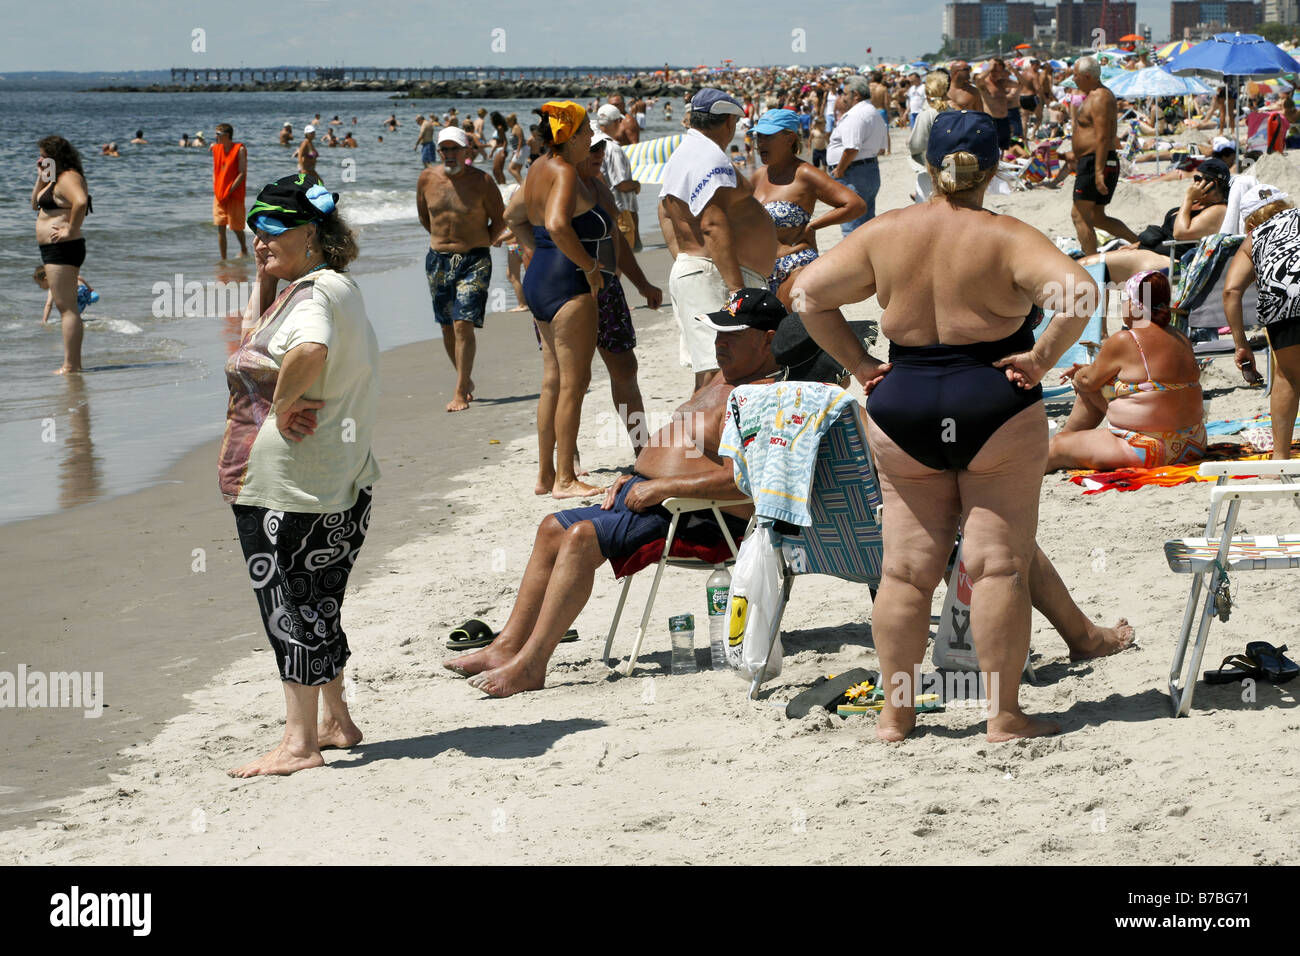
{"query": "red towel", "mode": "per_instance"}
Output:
(649, 553)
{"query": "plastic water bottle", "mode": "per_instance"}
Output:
(681, 630)
(717, 589)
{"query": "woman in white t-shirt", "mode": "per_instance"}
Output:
(295, 463)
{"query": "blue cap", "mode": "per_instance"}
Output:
(709, 100)
(963, 131)
(774, 121)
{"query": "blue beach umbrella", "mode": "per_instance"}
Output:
(1234, 54)
(1154, 81)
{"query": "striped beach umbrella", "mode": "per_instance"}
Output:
(1173, 49)
(649, 156)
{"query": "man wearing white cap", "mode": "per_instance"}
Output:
(722, 238)
(618, 174)
(462, 210)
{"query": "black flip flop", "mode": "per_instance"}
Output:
(1235, 667)
(1277, 667)
(827, 692)
(474, 634)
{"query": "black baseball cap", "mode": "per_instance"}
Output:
(1216, 170)
(747, 309)
(804, 359)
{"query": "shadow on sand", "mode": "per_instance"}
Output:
(495, 742)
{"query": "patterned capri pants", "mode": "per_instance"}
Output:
(299, 565)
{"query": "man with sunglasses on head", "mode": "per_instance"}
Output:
(462, 210)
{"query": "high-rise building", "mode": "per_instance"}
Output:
(1195, 18)
(1077, 22)
(1282, 11)
(969, 26)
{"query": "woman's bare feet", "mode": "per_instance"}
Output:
(459, 402)
(893, 727)
(575, 489)
(1104, 641)
(467, 665)
(509, 679)
(545, 482)
(279, 762)
(334, 733)
(1006, 727)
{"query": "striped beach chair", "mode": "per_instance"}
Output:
(1214, 558)
(844, 539)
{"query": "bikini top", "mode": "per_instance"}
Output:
(787, 214)
(45, 201)
(1119, 389)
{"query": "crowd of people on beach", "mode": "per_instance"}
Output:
(956, 419)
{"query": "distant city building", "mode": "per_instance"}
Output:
(1077, 21)
(969, 26)
(1197, 19)
(1282, 11)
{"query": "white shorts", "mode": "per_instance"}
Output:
(695, 286)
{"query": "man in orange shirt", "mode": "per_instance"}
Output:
(229, 173)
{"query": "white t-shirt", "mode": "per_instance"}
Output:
(830, 105)
(618, 170)
(861, 128)
(324, 472)
(916, 98)
(696, 170)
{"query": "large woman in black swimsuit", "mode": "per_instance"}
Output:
(562, 285)
(61, 202)
(956, 424)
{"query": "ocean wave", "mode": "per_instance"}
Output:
(120, 326)
(364, 207)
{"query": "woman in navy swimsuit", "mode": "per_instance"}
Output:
(562, 285)
(956, 425)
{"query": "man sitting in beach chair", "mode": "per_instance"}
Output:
(682, 460)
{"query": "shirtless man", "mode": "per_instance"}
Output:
(681, 460)
(1095, 147)
(424, 140)
(286, 134)
(721, 238)
(992, 88)
(462, 210)
(962, 94)
(628, 132)
(1031, 107)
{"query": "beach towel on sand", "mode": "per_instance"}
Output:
(1168, 476)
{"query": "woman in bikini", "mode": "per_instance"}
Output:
(62, 201)
(789, 189)
(307, 154)
(572, 246)
(1145, 382)
(956, 420)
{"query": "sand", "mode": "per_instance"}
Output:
(685, 769)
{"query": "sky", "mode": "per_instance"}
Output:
(157, 34)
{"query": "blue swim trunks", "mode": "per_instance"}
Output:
(427, 153)
(458, 284)
(621, 531)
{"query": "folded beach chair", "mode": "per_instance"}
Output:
(1198, 270)
(1214, 558)
(1093, 333)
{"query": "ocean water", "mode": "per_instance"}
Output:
(157, 340)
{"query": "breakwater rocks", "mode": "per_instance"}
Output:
(532, 89)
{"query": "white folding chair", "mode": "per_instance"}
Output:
(1213, 558)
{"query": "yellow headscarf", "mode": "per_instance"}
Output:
(565, 116)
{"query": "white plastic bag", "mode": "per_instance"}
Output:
(752, 606)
